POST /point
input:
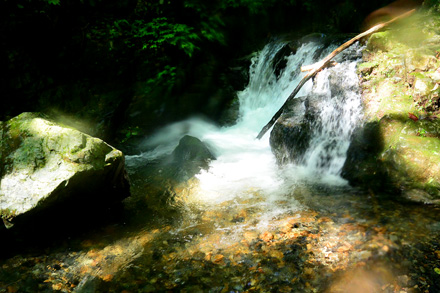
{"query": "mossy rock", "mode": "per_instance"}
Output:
(366, 68)
(391, 155)
(45, 165)
(414, 163)
(380, 41)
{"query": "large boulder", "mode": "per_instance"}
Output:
(162, 186)
(47, 167)
(398, 155)
(398, 147)
(290, 136)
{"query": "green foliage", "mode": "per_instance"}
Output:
(131, 132)
(166, 77)
(155, 35)
(152, 44)
(211, 29)
(309, 5)
(53, 2)
(432, 3)
(255, 6)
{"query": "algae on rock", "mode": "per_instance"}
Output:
(398, 147)
(44, 164)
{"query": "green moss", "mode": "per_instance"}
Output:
(398, 79)
(380, 42)
(367, 67)
(8, 214)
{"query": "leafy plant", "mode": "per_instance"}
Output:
(53, 2)
(256, 6)
(421, 132)
(166, 77)
(130, 133)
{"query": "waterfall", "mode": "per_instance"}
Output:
(246, 166)
(340, 111)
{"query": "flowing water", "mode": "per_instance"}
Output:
(245, 223)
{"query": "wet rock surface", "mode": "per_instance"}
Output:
(189, 157)
(290, 136)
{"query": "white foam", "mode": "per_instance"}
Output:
(245, 166)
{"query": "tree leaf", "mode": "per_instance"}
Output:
(413, 117)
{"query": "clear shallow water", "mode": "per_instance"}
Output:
(246, 224)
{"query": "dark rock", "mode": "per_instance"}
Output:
(292, 133)
(289, 137)
(362, 166)
(230, 115)
(279, 62)
(237, 75)
(189, 157)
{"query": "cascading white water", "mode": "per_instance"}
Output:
(339, 112)
(246, 166)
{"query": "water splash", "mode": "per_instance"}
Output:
(245, 167)
(340, 111)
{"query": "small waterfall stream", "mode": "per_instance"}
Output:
(245, 163)
(247, 224)
(339, 111)
(245, 172)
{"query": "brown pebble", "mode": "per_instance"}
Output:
(218, 258)
(266, 236)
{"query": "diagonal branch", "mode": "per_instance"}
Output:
(318, 66)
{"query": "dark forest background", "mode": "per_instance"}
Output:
(123, 68)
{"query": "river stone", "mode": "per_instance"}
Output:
(44, 164)
(290, 136)
(189, 157)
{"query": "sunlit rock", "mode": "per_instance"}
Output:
(397, 149)
(397, 154)
(380, 41)
(418, 195)
(46, 166)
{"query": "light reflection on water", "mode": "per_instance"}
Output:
(245, 224)
(257, 226)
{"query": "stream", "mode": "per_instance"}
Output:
(245, 223)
